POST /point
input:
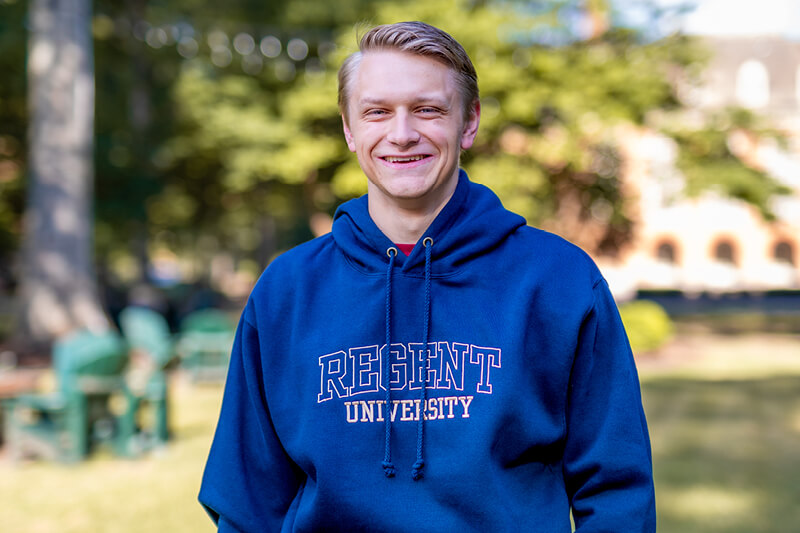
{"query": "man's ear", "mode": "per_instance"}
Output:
(471, 126)
(348, 136)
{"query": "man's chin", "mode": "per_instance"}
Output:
(409, 193)
(403, 186)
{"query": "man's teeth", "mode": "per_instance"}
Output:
(392, 159)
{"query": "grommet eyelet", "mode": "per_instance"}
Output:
(391, 251)
(427, 241)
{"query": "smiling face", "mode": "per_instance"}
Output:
(406, 124)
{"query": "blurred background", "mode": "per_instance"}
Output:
(156, 155)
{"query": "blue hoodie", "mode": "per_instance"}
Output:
(532, 406)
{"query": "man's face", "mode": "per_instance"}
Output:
(405, 123)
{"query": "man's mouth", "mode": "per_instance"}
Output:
(404, 159)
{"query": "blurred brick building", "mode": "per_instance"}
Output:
(712, 243)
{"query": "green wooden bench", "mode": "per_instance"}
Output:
(65, 424)
(204, 344)
(152, 350)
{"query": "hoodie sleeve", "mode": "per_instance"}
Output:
(249, 481)
(607, 458)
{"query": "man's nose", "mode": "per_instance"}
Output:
(402, 130)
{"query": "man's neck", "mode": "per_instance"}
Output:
(403, 223)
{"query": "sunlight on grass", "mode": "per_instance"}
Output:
(794, 421)
(716, 357)
(708, 504)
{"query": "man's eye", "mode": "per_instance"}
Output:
(375, 112)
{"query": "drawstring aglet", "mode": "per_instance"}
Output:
(416, 470)
(388, 469)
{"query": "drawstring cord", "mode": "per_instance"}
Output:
(416, 470)
(388, 466)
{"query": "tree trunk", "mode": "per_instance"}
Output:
(58, 291)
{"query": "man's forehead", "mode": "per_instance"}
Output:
(386, 72)
(383, 57)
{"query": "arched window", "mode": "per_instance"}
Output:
(752, 84)
(783, 252)
(725, 252)
(665, 252)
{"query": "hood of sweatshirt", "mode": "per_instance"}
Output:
(471, 224)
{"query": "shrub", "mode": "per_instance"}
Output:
(648, 325)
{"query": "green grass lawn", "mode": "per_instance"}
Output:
(724, 415)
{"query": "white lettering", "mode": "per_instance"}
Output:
(465, 402)
(367, 411)
(360, 370)
(354, 418)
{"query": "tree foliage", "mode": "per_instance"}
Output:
(13, 123)
(553, 98)
(709, 163)
(217, 128)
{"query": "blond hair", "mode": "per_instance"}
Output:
(420, 39)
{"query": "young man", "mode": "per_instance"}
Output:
(434, 364)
